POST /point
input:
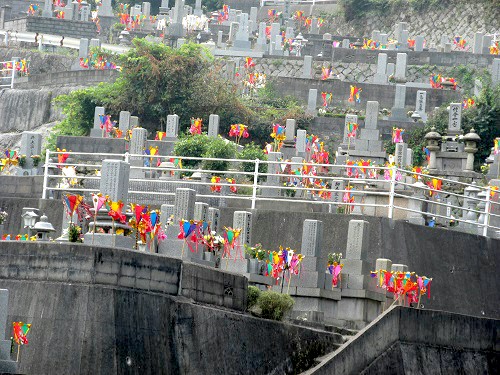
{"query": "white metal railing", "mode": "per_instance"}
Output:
(399, 195)
(7, 74)
(54, 40)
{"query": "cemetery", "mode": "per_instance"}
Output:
(273, 186)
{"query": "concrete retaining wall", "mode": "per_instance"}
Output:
(450, 343)
(53, 26)
(67, 78)
(341, 90)
(112, 311)
(457, 262)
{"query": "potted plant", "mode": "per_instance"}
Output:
(36, 160)
(74, 232)
(22, 160)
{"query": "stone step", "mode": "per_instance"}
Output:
(340, 330)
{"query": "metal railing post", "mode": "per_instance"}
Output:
(391, 193)
(487, 211)
(13, 74)
(46, 174)
(255, 182)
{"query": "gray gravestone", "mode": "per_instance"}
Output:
(134, 122)
(220, 34)
(166, 211)
(243, 220)
(172, 129)
(105, 10)
(85, 13)
(371, 117)
(349, 119)
(401, 151)
(47, 9)
(312, 234)
(213, 218)
(311, 101)
(290, 130)
(213, 126)
(114, 179)
(401, 61)
(138, 141)
(31, 144)
(273, 180)
(357, 239)
(420, 106)
(200, 211)
(477, 47)
(307, 69)
(455, 119)
(124, 121)
(197, 8)
(253, 18)
(399, 111)
(381, 73)
(184, 204)
(346, 43)
(83, 50)
(390, 69)
(419, 43)
(487, 43)
(300, 144)
(96, 131)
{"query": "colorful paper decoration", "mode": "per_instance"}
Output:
(195, 126)
(397, 135)
(239, 131)
(20, 332)
(355, 91)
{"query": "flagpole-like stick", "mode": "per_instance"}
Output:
(18, 351)
(289, 279)
(419, 296)
(95, 223)
(182, 251)
(113, 232)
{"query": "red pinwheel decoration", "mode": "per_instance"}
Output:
(239, 131)
(195, 126)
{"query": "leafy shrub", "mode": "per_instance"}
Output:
(252, 152)
(192, 146)
(253, 295)
(274, 305)
(221, 149)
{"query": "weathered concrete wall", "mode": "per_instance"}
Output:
(72, 79)
(13, 206)
(40, 63)
(457, 262)
(53, 26)
(341, 90)
(107, 324)
(450, 18)
(398, 341)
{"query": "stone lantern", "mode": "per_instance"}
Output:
(471, 139)
(43, 228)
(433, 138)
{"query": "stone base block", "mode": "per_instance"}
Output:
(96, 133)
(8, 367)
(358, 309)
(237, 266)
(355, 267)
(315, 306)
(349, 281)
(380, 78)
(242, 45)
(370, 134)
(399, 114)
(310, 316)
(308, 279)
(110, 240)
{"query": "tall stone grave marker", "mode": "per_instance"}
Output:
(356, 269)
(300, 144)
(213, 218)
(105, 10)
(114, 179)
(401, 153)
(200, 211)
(213, 126)
(47, 9)
(312, 274)
(399, 111)
(31, 144)
(273, 180)
(420, 107)
(477, 47)
(401, 61)
(307, 69)
(312, 101)
(172, 128)
(419, 43)
(242, 41)
(455, 119)
(96, 131)
(381, 73)
(124, 121)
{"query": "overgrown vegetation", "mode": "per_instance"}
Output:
(157, 80)
(269, 304)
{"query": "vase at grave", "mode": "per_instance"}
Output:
(209, 256)
(141, 246)
(253, 266)
(1, 230)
